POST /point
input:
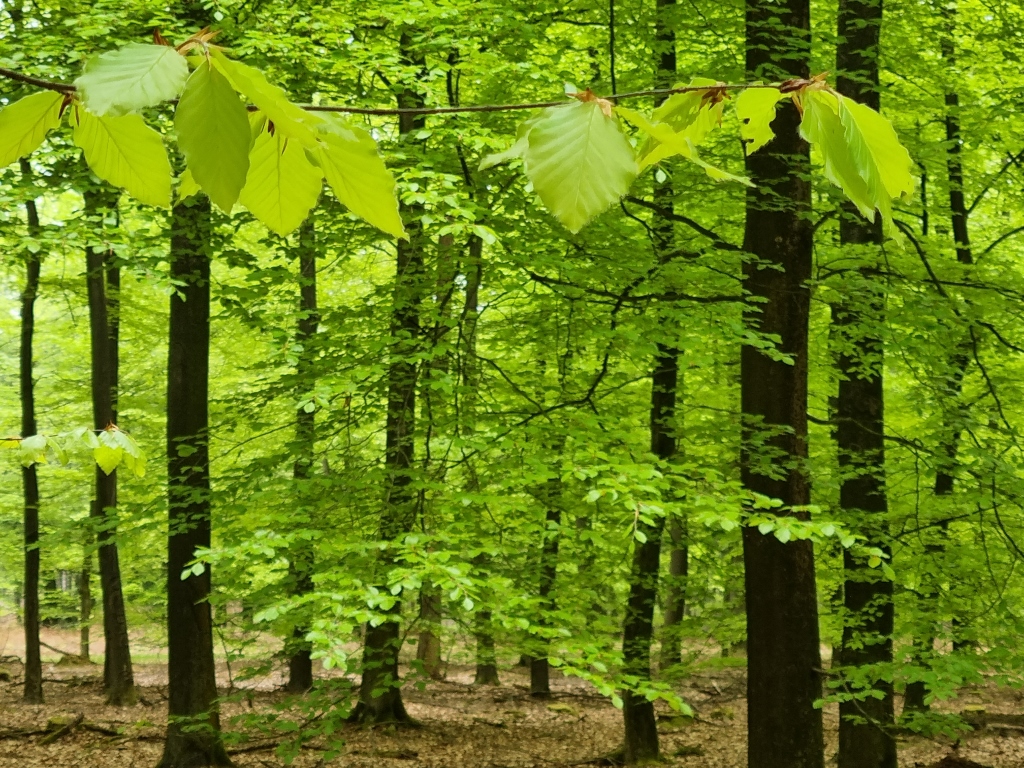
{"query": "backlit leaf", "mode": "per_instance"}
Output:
(187, 185)
(33, 450)
(282, 185)
(290, 120)
(106, 457)
(352, 166)
(579, 162)
(820, 126)
(25, 123)
(882, 161)
(127, 153)
(213, 133)
(755, 108)
(132, 78)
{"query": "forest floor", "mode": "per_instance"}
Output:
(459, 725)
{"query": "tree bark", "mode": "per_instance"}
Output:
(865, 724)
(675, 596)
(783, 656)
(380, 696)
(85, 596)
(33, 691)
(641, 744)
(191, 671)
(540, 672)
(300, 663)
(118, 677)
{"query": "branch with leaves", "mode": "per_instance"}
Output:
(245, 142)
(110, 448)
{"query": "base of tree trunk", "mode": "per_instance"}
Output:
(913, 698)
(122, 697)
(486, 674)
(192, 750)
(300, 672)
(390, 711)
(540, 678)
(641, 731)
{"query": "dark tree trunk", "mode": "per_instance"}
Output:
(118, 678)
(30, 479)
(191, 670)
(540, 671)
(428, 650)
(641, 744)
(300, 663)
(783, 655)
(945, 472)
(675, 595)
(483, 628)
(860, 429)
(85, 596)
(380, 695)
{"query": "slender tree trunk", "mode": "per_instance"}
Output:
(641, 744)
(675, 595)
(945, 472)
(85, 596)
(191, 670)
(865, 725)
(783, 655)
(540, 672)
(428, 650)
(118, 678)
(300, 663)
(380, 695)
(33, 693)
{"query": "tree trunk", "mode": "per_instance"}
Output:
(783, 654)
(865, 725)
(380, 695)
(675, 595)
(428, 650)
(300, 663)
(540, 672)
(945, 473)
(33, 693)
(118, 678)
(85, 596)
(640, 726)
(191, 670)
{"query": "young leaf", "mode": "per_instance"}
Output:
(132, 78)
(25, 123)
(107, 457)
(579, 161)
(352, 166)
(127, 153)
(33, 450)
(689, 115)
(755, 108)
(881, 160)
(517, 150)
(187, 185)
(282, 185)
(294, 122)
(213, 133)
(670, 143)
(820, 126)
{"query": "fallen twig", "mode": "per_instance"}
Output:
(63, 731)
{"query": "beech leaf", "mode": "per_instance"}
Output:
(213, 132)
(127, 153)
(132, 78)
(25, 123)
(578, 161)
(755, 107)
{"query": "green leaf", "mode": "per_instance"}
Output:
(33, 450)
(579, 162)
(127, 153)
(213, 133)
(688, 116)
(187, 185)
(352, 166)
(670, 143)
(282, 185)
(289, 119)
(25, 123)
(106, 457)
(820, 126)
(132, 78)
(515, 152)
(755, 107)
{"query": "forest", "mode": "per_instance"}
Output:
(505, 384)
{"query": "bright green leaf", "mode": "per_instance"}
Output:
(755, 108)
(187, 185)
(25, 123)
(579, 162)
(132, 78)
(106, 457)
(33, 450)
(213, 133)
(820, 126)
(282, 185)
(348, 157)
(127, 153)
(288, 119)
